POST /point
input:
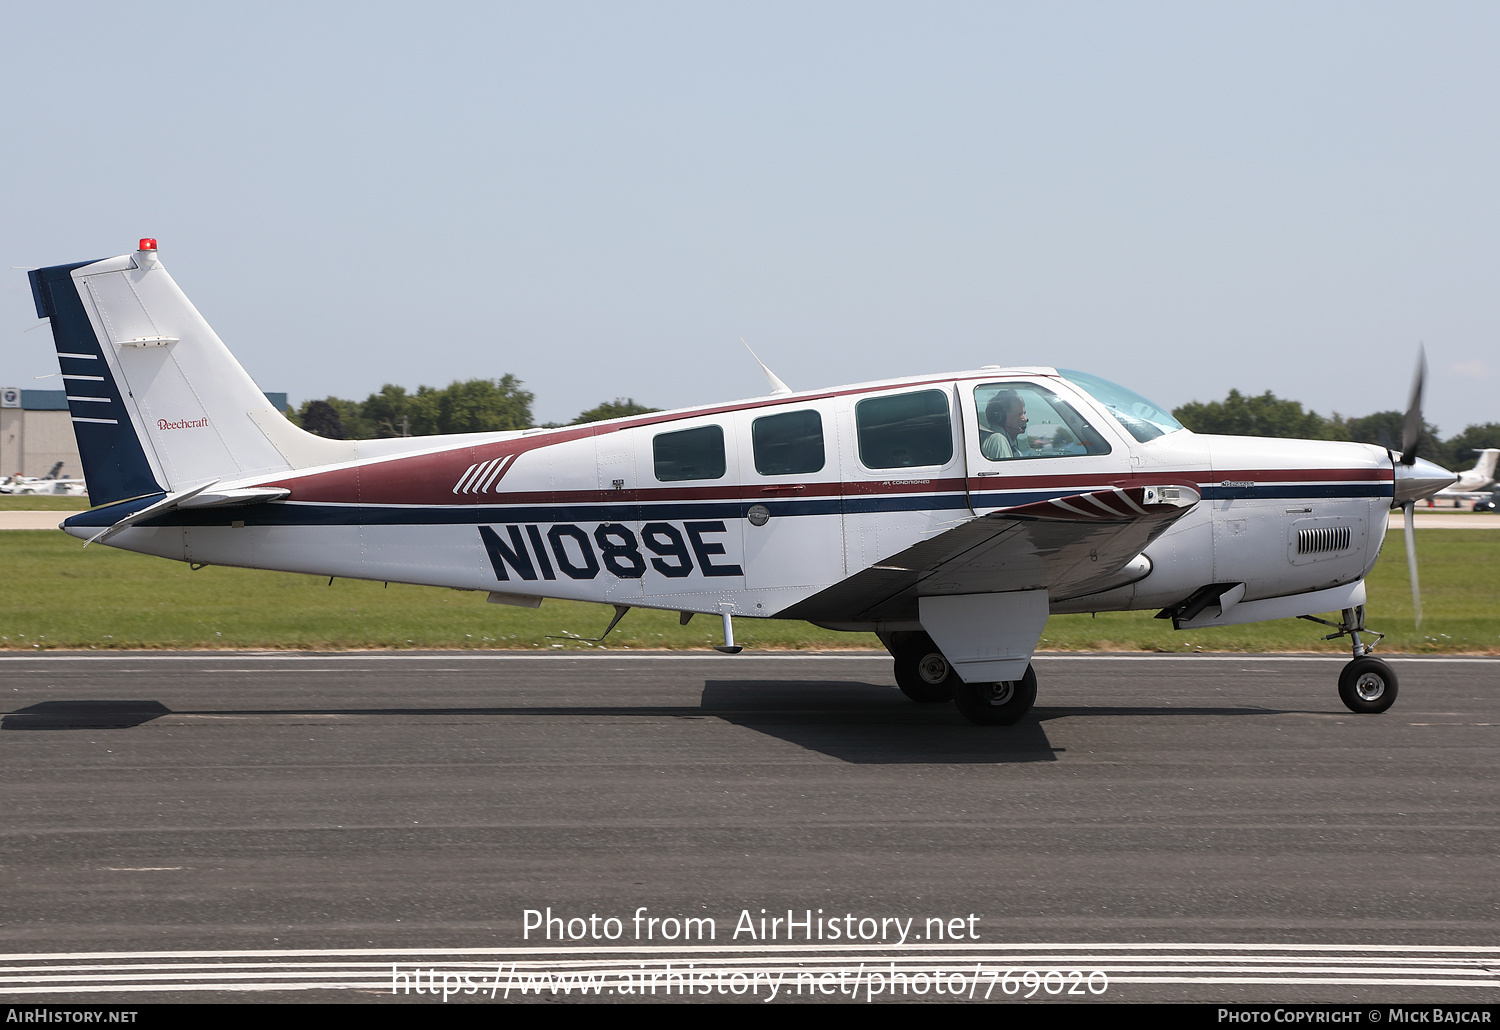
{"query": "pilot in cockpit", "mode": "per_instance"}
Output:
(1006, 415)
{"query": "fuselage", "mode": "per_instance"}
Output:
(754, 507)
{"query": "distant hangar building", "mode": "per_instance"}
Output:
(36, 432)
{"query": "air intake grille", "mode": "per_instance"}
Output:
(1322, 540)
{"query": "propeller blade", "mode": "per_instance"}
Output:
(1409, 508)
(1411, 429)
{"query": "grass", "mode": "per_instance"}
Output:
(58, 595)
(42, 502)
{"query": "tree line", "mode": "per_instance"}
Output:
(1269, 415)
(491, 405)
(463, 406)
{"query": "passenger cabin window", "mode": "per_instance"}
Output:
(788, 444)
(1023, 420)
(690, 454)
(904, 431)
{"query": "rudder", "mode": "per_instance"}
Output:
(115, 465)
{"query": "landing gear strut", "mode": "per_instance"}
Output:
(1366, 685)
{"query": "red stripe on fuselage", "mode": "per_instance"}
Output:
(429, 480)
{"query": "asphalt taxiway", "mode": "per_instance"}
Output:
(214, 803)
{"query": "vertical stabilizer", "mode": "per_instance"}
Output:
(1485, 466)
(158, 402)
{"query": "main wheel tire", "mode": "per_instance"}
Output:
(922, 673)
(996, 704)
(1367, 686)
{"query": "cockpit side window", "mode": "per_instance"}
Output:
(1024, 420)
(906, 430)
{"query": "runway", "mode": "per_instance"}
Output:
(291, 827)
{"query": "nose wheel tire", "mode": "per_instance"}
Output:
(1367, 686)
(996, 704)
(922, 673)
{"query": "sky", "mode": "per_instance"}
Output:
(603, 198)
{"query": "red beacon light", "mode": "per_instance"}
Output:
(148, 244)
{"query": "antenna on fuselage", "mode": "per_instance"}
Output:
(777, 386)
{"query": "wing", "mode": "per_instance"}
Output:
(1068, 546)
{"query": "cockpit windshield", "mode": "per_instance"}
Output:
(1142, 419)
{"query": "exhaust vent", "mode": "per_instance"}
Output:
(1323, 540)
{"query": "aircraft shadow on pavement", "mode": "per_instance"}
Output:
(857, 722)
(84, 715)
(869, 723)
(872, 723)
(850, 721)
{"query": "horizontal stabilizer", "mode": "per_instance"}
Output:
(205, 496)
(152, 510)
(230, 498)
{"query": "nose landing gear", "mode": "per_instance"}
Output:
(1367, 685)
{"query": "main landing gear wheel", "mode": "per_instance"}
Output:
(996, 704)
(1367, 686)
(922, 673)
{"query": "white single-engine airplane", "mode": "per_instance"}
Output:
(950, 514)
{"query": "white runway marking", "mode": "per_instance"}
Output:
(971, 970)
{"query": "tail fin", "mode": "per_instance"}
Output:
(1485, 466)
(159, 404)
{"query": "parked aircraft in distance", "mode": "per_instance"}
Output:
(950, 514)
(52, 483)
(1473, 485)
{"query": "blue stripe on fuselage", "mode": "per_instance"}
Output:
(315, 514)
(1293, 491)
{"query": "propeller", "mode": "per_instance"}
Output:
(1409, 511)
(1415, 477)
(1411, 428)
(1411, 434)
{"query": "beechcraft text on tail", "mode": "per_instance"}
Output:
(951, 514)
